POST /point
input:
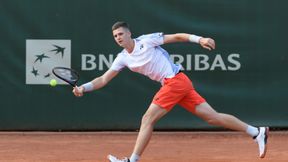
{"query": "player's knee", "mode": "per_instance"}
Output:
(214, 119)
(213, 122)
(147, 120)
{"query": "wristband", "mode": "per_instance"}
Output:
(194, 38)
(88, 87)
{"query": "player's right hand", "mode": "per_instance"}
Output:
(78, 91)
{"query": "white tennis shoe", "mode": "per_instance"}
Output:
(112, 158)
(262, 139)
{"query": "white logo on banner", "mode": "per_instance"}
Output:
(42, 55)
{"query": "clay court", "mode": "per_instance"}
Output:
(164, 147)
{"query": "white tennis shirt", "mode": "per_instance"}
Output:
(147, 58)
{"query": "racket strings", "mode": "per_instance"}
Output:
(66, 74)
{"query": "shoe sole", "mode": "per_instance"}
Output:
(266, 136)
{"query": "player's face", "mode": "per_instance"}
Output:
(122, 36)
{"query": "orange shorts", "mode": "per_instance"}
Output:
(178, 90)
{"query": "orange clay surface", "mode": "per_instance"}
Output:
(163, 147)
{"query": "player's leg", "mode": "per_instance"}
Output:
(152, 115)
(194, 103)
(207, 113)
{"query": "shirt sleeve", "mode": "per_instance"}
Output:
(118, 64)
(154, 39)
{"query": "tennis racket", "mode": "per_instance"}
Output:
(68, 75)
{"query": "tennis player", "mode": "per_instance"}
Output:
(145, 56)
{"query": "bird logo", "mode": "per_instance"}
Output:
(58, 50)
(41, 57)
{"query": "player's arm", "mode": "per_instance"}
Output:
(96, 83)
(207, 43)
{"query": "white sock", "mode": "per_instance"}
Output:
(252, 131)
(134, 158)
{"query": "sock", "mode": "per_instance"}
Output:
(252, 131)
(134, 158)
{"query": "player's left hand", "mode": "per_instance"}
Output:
(207, 43)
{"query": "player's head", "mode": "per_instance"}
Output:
(121, 33)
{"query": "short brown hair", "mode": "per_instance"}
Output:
(120, 24)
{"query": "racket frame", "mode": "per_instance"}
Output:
(73, 84)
